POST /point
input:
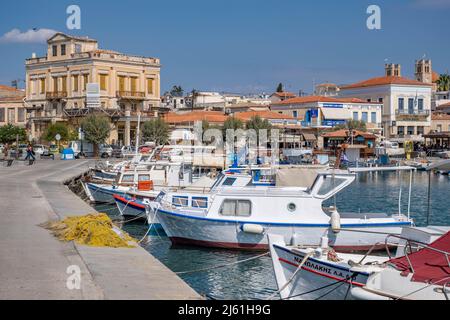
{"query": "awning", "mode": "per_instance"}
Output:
(336, 113)
(309, 137)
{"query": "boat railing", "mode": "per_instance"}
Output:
(408, 245)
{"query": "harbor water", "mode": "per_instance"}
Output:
(371, 192)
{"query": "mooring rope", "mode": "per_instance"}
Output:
(224, 265)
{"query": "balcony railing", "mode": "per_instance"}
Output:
(414, 113)
(56, 95)
(131, 95)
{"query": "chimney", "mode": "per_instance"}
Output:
(33, 55)
(392, 69)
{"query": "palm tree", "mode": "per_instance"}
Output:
(257, 123)
(443, 82)
(177, 91)
(156, 130)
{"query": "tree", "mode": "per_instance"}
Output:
(96, 129)
(177, 91)
(54, 129)
(443, 82)
(257, 123)
(280, 87)
(352, 125)
(8, 134)
(156, 130)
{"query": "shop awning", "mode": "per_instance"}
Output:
(336, 113)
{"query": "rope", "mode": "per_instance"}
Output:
(299, 267)
(223, 265)
(132, 219)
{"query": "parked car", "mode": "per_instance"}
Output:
(128, 151)
(116, 151)
(53, 149)
(40, 149)
(105, 151)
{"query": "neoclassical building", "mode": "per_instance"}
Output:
(57, 87)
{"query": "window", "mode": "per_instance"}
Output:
(21, 115)
(133, 84)
(364, 117)
(355, 116)
(64, 84)
(410, 105)
(295, 113)
(121, 83)
(150, 86)
(380, 100)
(144, 177)
(85, 81)
(11, 115)
(2, 114)
(420, 130)
(75, 83)
(401, 130)
(373, 117)
(55, 84)
(77, 48)
(329, 184)
(410, 130)
(439, 128)
(229, 181)
(103, 82)
(239, 208)
(54, 51)
(42, 85)
(200, 202)
(292, 207)
(420, 105)
(180, 201)
(401, 104)
(128, 178)
(369, 100)
(63, 49)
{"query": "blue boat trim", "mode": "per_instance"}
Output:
(353, 225)
(96, 188)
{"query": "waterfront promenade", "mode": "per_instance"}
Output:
(33, 263)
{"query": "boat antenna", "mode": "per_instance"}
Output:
(400, 195)
(409, 194)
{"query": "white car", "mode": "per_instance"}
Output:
(40, 149)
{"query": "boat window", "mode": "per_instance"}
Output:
(241, 208)
(180, 201)
(292, 207)
(329, 183)
(144, 177)
(200, 202)
(229, 181)
(128, 178)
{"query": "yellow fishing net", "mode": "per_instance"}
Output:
(93, 230)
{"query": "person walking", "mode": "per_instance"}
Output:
(30, 154)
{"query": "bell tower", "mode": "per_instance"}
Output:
(423, 71)
(392, 69)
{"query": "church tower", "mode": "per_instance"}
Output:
(392, 69)
(423, 71)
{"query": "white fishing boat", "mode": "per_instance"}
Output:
(320, 273)
(235, 213)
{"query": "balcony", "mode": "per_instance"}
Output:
(131, 95)
(55, 95)
(417, 115)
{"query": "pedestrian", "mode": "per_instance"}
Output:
(30, 154)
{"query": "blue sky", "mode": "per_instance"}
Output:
(247, 45)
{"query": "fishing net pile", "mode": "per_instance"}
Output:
(95, 230)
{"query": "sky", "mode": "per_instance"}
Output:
(240, 46)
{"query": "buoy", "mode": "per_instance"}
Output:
(253, 228)
(335, 221)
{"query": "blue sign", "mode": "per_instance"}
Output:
(332, 123)
(333, 105)
(314, 113)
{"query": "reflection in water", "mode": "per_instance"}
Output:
(371, 192)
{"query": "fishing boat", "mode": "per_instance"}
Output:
(237, 214)
(303, 272)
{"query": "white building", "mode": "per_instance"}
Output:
(327, 112)
(406, 104)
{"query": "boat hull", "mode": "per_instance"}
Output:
(317, 279)
(201, 231)
(102, 193)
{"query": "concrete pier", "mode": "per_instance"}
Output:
(33, 263)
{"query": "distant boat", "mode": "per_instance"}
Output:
(238, 214)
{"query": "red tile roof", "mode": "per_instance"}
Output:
(8, 88)
(344, 133)
(269, 115)
(210, 116)
(284, 94)
(311, 99)
(440, 116)
(444, 105)
(384, 81)
(435, 76)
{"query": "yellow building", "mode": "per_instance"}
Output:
(56, 86)
(12, 110)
